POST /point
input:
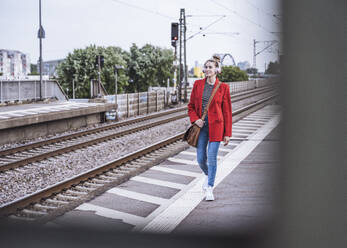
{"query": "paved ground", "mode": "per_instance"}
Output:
(244, 199)
(21, 110)
(169, 198)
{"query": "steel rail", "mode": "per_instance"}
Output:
(23, 202)
(113, 126)
(70, 148)
(84, 133)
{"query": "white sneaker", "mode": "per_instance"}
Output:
(209, 194)
(205, 184)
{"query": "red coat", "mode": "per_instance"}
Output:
(219, 112)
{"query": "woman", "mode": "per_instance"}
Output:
(217, 125)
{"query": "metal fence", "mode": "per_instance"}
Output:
(23, 90)
(149, 102)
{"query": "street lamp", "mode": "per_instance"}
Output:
(41, 35)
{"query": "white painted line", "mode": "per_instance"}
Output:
(138, 196)
(14, 115)
(162, 208)
(246, 124)
(186, 161)
(188, 153)
(183, 161)
(256, 118)
(242, 131)
(252, 122)
(29, 112)
(113, 214)
(224, 149)
(237, 138)
(168, 220)
(52, 108)
(194, 154)
(174, 171)
(243, 128)
(158, 182)
(4, 117)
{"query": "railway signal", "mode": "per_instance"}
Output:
(174, 33)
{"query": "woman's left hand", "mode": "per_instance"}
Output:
(226, 140)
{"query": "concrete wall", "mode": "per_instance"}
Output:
(22, 90)
(44, 129)
(41, 125)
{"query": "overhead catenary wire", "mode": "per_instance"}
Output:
(144, 9)
(202, 29)
(261, 10)
(246, 18)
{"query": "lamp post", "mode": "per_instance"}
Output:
(41, 35)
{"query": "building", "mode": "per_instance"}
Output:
(198, 72)
(244, 65)
(14, 64)
(49, 67)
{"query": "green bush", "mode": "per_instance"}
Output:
(232, 74)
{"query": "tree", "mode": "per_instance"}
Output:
(149, 66)
(33, 70)
(80, 66)
(232, 74)
(273, 68)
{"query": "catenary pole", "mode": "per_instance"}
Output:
(40, 37)
(180, 60)
(185, 57)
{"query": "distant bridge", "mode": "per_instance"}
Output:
(226, 59)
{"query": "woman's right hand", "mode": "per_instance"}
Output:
(199, 123)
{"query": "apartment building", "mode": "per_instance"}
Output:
(14, 64)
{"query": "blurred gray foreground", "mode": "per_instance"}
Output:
(313, 170)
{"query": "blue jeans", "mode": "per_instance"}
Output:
(207, 160)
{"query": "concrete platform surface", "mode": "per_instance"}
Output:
(28, 114)
(169, 197)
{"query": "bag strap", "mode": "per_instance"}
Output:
(210, 100)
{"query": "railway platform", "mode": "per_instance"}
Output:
(28, 121)
(168, 198)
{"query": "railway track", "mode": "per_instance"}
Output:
(37, 151)
(63, 196)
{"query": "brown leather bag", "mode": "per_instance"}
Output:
(193, 132)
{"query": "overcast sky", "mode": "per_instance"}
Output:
(71, 24)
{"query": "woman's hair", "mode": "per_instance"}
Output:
(216, 60)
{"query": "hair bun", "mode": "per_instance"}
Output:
(216, 58)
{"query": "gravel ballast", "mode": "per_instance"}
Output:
(23, 181)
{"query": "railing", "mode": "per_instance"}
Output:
(23, 90)
(148, 102)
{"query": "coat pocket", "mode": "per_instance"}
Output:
(217, 116)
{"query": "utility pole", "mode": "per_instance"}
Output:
(174, 38)
(254, 56)
(268, 44)
(116, 68)
(185, 57)
(180, 62)
(99, 77)
(40, 35)
(175, 71)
